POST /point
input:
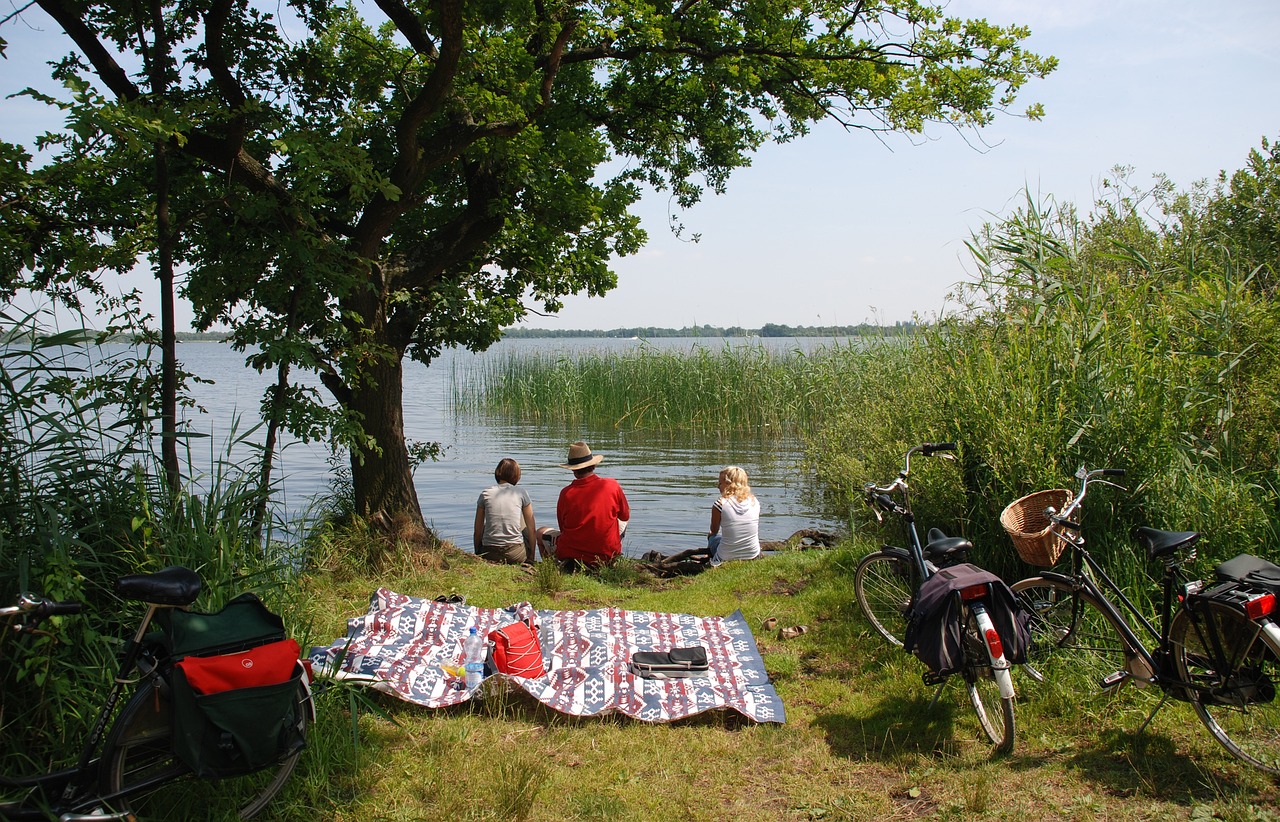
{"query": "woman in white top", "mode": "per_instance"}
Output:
(735, 519)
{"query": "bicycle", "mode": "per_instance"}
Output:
(127, 768)
(1216, 647)
(887, 584)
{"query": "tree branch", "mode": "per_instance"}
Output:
(104, 64)
(215, 28)
(408, 24)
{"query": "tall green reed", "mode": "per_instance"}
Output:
(81, 503)
(1098, 342)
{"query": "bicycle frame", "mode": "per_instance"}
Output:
(1088, 576)
(1216, 648)
(981, 650)
(73, 791)
(1086, 573)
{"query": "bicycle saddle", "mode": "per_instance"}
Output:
(941, 545)
(1162, 543)
(172, 586)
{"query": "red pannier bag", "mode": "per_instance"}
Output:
(268, 664)
(516, 650)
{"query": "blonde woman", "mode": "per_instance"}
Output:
(735, 519)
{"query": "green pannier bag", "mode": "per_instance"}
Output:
(240, 730)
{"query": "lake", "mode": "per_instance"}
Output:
(670, 480)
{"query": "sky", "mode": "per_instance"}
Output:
(841, 228)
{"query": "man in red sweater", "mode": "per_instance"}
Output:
(592, 513)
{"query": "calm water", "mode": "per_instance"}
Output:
(670, 482)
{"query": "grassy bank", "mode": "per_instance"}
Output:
(861, 740)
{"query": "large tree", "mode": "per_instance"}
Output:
(350, 185)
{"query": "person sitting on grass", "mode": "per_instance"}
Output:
(505, 531)
(735, 519)
(592, 514)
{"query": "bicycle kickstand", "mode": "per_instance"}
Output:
(933, 703)
(1154, 711)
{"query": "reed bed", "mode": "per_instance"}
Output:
(736, 389)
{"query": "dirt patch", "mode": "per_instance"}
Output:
(788, 588)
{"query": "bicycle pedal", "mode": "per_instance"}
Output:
(931, 678)
(1113, 680)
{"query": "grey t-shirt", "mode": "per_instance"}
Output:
(503, 506)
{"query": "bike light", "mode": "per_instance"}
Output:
(973, 592)
(994, 643)
(1258, 607)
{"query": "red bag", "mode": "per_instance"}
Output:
(268, 664)
(516, 650)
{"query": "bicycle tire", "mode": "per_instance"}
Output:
(1234, 687)
(1071, 634)
(883, 584)
(995, 712)
(140, 750)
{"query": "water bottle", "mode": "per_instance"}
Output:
(473, 654)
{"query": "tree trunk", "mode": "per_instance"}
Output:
(168, 330)
(382, 482)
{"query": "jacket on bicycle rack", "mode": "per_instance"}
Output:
(933, 622)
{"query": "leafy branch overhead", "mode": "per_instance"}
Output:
(375, 181)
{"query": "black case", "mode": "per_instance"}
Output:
(676, 663)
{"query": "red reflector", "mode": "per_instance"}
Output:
(973, 592)
(994, 643)
(1261, 606)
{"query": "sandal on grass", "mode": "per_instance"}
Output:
(793, 632)
(769, 624)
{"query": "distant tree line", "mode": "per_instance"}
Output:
(767, 330)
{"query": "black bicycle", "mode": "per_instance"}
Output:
(1216, 647)
(887, 583)
(128, 768)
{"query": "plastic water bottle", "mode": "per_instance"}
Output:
(473, 654)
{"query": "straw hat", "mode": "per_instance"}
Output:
(580, 456)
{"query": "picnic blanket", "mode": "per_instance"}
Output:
(401, 645)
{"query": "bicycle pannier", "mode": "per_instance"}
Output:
(1251, 569)
(236, 689)
(933, 623)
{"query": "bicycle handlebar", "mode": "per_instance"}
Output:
(925, 449)
(1085, 476)
(878, 497)
(35, 610)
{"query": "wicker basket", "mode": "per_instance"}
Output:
(1028, 527)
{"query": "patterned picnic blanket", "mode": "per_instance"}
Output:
(401, 644)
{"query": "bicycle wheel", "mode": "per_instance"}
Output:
(1071, 636)
(995, 712)
(1233, 667)
(139, 766)
(884, 584)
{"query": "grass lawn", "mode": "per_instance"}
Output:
(861, 739)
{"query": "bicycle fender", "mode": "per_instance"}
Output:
(1065, 579)
(898, 553)
(1271, 629)
(306, 685)
(999, 665)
